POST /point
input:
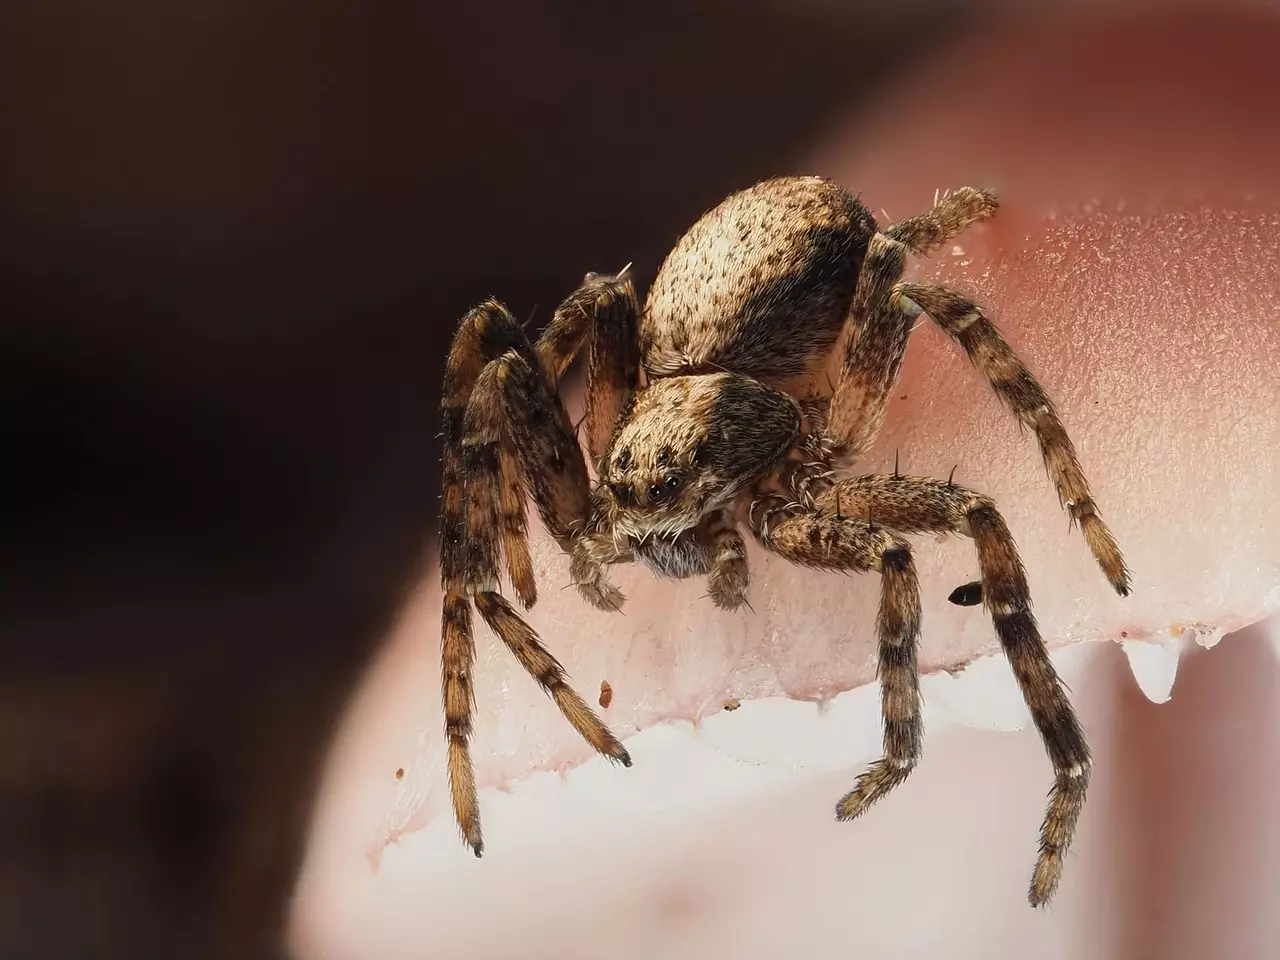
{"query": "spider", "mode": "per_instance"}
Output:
(700, 422)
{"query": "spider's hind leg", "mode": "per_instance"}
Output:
(1014, 384)
(884, 311)
(882, 320)
(951, 215)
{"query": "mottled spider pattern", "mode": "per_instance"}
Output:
(702, 420)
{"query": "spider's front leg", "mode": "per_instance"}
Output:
(925, 505)
(840, 541)
(504, 426)
(605, 309)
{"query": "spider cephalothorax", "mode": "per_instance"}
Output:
(687, 447)
(699, 423)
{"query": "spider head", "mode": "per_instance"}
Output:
(687, 446)
(654, 486)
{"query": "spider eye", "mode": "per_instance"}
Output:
(664, 490)
(621, 492)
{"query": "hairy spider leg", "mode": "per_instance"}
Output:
(881, 323)
(831, 542)
(951, 215)
(1018, 388)
(884, 311)
(504, 427)
(882, 318)
(925, 505)
(606, 309)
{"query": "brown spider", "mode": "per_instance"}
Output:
(698, 423)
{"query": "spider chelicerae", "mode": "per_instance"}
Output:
(701, 421)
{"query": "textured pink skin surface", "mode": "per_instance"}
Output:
(1141, 284)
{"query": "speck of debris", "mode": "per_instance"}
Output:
(969, 595)
(1124, 633)
(399, 773)
(732, 705)
(606, 694)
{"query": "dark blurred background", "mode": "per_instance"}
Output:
(234, 241)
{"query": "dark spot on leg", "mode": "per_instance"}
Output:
(895, 560)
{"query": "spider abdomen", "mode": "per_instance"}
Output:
(761, 284)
